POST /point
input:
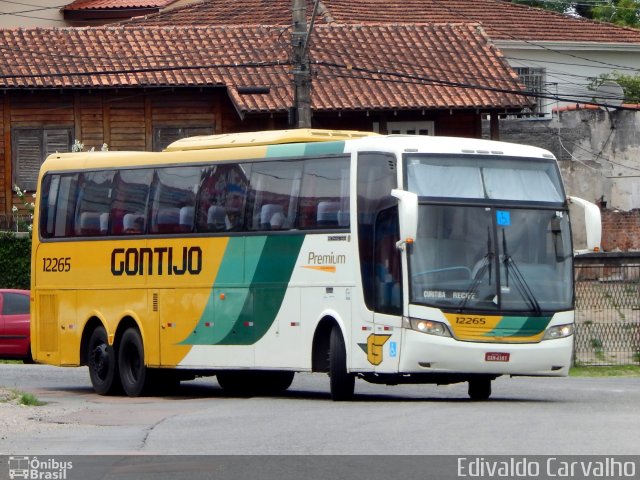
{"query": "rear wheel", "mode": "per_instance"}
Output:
(480, 388)
(234, 382)
(102, 363)
(133, 371)
(342, 383)
(274, 382)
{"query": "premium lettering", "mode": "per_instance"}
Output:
(327, 259)
(156, 261)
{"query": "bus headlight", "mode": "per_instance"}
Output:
(430, 327)
(559, 331)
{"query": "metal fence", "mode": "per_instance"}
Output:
(607, 309)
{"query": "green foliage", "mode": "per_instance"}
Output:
(30, 400)
(15, 261)
(19, 397)
(630, 85)
(620, 12)
(605, 371)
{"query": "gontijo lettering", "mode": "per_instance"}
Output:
(156, 261)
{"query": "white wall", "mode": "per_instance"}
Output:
(569, 67)
(47, 14)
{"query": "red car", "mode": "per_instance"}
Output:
(14, 325)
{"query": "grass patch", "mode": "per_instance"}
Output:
(606, 371)
(11, 361)
(19, 398)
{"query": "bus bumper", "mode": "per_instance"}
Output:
(422, 353)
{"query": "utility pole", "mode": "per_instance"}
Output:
(301, 73)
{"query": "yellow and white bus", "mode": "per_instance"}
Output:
(251, 256)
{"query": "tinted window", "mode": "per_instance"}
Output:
(129, 205)
(223, 194)
(94, 203)
(58, 201)
(174, 199)
(273, 195)
(324, 197)
(15, 304)
(376, 179)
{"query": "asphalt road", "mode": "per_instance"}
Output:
(525, 416)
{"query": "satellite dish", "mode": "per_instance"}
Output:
(609, 93)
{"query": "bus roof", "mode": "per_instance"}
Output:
(271, 137)
(401, 144)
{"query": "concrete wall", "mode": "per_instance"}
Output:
(599, 157)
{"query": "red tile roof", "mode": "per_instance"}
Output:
(116, 4)
(354, 67)
(501, 20)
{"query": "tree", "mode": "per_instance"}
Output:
(620, 12)
(630, 85)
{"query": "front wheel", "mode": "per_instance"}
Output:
(102, 363)
(342, 383)
(480, 388)
(255, 382)
(133, 371)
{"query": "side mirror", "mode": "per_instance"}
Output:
(408, 214)
(592, 223)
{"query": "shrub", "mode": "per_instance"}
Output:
(15, 261)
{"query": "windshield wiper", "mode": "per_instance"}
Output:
(487, 262)
(521, 283)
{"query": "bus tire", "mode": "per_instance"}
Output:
(274, 382)
(102, 363)
(235, 382)
(480, 388)
(133, 372)
(342, 383)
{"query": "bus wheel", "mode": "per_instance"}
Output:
(102, 362)
(342, 383)
(480, 388)
(133, 372)
(239, 383)
(274, 382)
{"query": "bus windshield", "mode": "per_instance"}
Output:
(510, 255)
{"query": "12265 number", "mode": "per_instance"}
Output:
(56, 264)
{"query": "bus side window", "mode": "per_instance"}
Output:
(130, 197)
(273, 195)
(94, 202)
(58, 206)
(173, 199)
(221, 201)
(324, 197)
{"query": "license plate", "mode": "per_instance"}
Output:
(496, 357)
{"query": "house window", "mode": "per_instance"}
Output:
(407, 128)
(30, 147)
(164, 136)
(533, 80)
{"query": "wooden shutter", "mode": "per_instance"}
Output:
(58, 140)
(164, 136)
(29, 154)
(31, 147)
